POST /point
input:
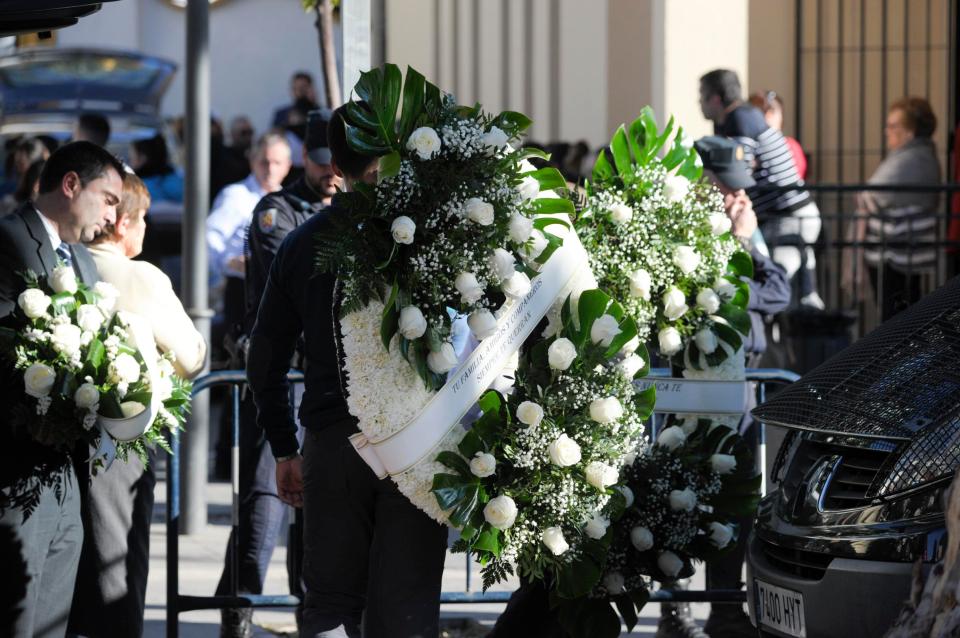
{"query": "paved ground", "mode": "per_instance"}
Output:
(201, 559)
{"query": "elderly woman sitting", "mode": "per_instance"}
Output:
(119, 503)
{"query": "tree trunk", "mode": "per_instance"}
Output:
(933, 611)
(328, 53)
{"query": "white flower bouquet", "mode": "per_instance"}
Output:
(90, 372)
(659, 240)
(532, 484)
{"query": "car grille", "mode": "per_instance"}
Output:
(799, 563)
(855, 481)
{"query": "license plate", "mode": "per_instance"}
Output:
(780, 609)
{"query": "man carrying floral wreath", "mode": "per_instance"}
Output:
(79, 190)
(367, 550)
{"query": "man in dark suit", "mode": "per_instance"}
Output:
(367, 550)
(79, 190)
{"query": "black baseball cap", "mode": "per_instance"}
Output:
(725, 158)
(318, 150)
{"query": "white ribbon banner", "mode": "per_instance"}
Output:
(695, 396)
(405, 448)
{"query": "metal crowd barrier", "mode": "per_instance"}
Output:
(178, 603)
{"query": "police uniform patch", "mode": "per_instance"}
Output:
(267, 220)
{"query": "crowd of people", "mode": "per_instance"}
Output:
(79, 204)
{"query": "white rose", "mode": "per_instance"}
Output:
(724, 288)
(63, 279)
(554, 540)
(482, 323)
(424, 142)
(444, 360)
(483, 464)
(502, 263)
(686, 259)
(38, 380)
(723, 463)
(630, 366)
(719, 223)
(495, 138)
(675, 188)
(640, 284)
(403, 229)
(600, 475)
(86, 396)
(500, 512)
(689, 425)
(412, 323)
(66, 339)
(683, 500)
(561, 353)
(479, 211)
(706, 341)
(564, 451)
(596, 527)
(708, 300)
(606, 410)
(108, 294)
(124, 369)
(520, 228)
(166, 367)
(674, 303)
(720, 534)
(670, 341)
(628, 497)
(131, 408)
(631, 346)
(529, 188)
(534, 246)
(469, 288)
(620, 213)
(670, 564)
(162, 387)
(89, 317)
(604, 330)
(671, 438)
(613, 583)
(33, 302)
(516, 286)
(642, 538)
(529, 413)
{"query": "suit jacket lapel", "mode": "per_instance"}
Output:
(38, 233)
(84, 265)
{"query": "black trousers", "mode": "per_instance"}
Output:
(40, 553)
(111, 589)
(370, 557)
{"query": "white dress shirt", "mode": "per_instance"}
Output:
(227, 226)
(55, 240)
(146, 291)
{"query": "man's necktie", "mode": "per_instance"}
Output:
(63, 252)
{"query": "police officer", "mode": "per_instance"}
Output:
(261, 511)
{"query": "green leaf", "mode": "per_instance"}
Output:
(553, 205)
(532, 151)
(692, 166)
(464, 510)
(644, 402)
(388, 166)
(621, 152)
(553, 243)
(593, 303)
(488, 540)
(512, 122)
(678, 152)
(693, 355)
(578, 577)
(549, 178)
(542, 223)
(661, 139)
(366, 86)
(413, 97)
(728, 335)
(491, 402)
(386, 262)
(451, 490)
(95, 354)
(602, 170)
(361, 116)
(741, 264)
(470, 444)
(627, 611)
(363, 142)
(736, 317)
(628, 330)
(390, 320)
(638, 137)
(456, 463)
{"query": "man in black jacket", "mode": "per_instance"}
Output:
(261, 512)
(79, 190)
(367, 550)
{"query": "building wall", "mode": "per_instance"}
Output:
(255, 46)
